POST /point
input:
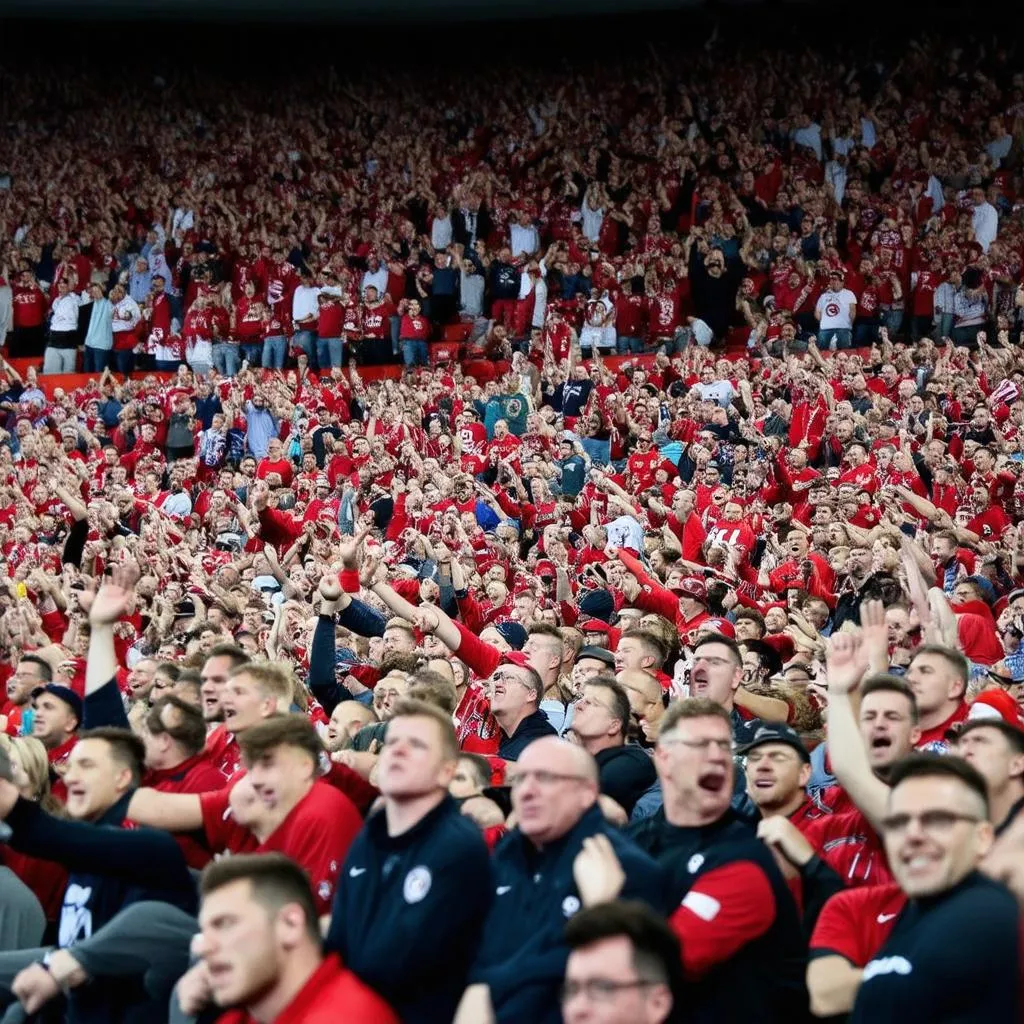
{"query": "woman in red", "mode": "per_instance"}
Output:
(414, 332)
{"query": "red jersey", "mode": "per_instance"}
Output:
(316, 834)
(850, 846)
(222, 752)
(332, 993)
(856, 923)
(375, 319)
(29, 306)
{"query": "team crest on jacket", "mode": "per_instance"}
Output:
(570, 906)
(694, 863)
(417, 884)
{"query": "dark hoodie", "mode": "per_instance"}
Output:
(626, 772)
(534, 727)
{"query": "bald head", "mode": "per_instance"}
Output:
(554, 783)
(557, 755)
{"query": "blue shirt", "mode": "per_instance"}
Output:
(261, 428)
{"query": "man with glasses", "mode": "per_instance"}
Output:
(601, 726)
(624, 967)
(954, 951)
(742, 944)
(516, 692)
(561, 857)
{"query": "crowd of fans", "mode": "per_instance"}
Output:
(644, 646)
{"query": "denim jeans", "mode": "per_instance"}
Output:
(166, 365)
(893, 320)
(414, 352)
(59, 360)
(600, 452)
(124, 360)
(275, 349)
(944, 328)
(395, 323)
(840, 335)
(305, 341)
(253, 351)
(226, 358)
(624, 344)
(95, 360)
(329, 352)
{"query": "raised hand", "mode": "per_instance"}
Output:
(111, 602)
(330, 587)
(597, 872)
(348, 548)
(875, 634)
(846, 661)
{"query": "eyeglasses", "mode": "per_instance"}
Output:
(542, 777)
(937, 822)
(601, 990)
(508, 677)
(726, 746)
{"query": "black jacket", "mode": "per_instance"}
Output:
(409, 910)
(626, 773)
(762, 982)
(523, 952)
(109, 868)
(535, 727)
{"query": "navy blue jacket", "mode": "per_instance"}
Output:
(409, 910)
(109, 868)
(763, 981)
(523, 955)
(531, 728)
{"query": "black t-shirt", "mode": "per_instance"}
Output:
(951, 959)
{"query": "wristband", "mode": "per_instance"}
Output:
(349, 580)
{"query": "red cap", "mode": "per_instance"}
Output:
(546, 567)
(993, 704)
(594, 626)
(782, 643)
(723, 626)
(692, 586)
(515, 658)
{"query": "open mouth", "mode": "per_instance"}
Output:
(764, 783)
(711, 782)
(881, 743)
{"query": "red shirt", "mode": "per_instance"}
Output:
(222, 752)
(850, 846)
(856, 923)
(332, 993)
(316, 834)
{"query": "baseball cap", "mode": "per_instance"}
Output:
(593, 626)
(513, 633)
(692, 586)
(722, 626)
(64, 693)
(515, 658)
(777, 732)
(600, 654)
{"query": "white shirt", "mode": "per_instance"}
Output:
(809, 137)
(523, 240)
(985, 222)
(625, 532)
(441, 232)
(378, 280)
(833, 309)
(177, 505)
(181, 221)
(304, 304)
(592, 221)
(126, 315)
(65, 313)
(720, 391)
(540, 301)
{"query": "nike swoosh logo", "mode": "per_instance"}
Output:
(356, 872)
(882, 918)
(502, 889)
